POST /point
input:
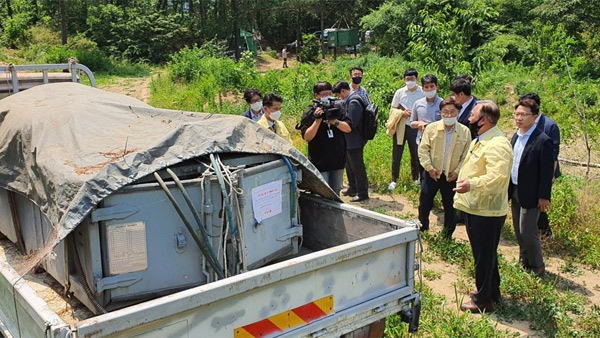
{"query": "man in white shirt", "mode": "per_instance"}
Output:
(404, 100)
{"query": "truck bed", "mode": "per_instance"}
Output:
(357, 267)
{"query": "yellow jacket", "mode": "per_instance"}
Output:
(395, 125)
(487, 167)
(433, 144)
(280, 128)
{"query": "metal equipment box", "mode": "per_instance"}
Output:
(135, 245)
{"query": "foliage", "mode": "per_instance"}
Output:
(15, 30)
(310, 49)
(136, 33)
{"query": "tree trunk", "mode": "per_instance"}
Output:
(9, 9)
(236, 28)
(63, 22)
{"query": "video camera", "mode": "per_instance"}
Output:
(330, 110)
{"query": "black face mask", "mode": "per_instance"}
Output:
(474, 127)
(357, 79)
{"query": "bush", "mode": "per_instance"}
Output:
(16, 30)
(310, 50)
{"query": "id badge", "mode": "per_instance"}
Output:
(329, 133)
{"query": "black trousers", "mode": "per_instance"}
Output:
(429, 188)
(484, 236)
(410, 137)
(357, 172)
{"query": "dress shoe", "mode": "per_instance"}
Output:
(348, 192)
(473, 307)
(359, 198)
(539, 271)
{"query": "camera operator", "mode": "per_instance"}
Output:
(323, 126)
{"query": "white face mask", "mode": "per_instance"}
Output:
(430, 94)
(449, 121)
(276, 115)
(256, 106)
(411, 84)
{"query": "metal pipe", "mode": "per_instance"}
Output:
(215, 265)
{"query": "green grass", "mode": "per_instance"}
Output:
(439, 319)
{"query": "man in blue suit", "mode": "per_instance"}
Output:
(550, 128)
(460, 90)
(530, 183)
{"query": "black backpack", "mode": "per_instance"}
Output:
(370, 123)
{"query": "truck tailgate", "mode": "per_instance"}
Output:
(328, 292)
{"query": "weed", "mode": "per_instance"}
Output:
(431, 274)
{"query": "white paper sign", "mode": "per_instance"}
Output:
(266, 200)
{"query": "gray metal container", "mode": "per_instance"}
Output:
(135, 246)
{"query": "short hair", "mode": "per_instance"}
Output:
(249, 94)
(356, 68)
(270, 98)
(338, 86)
(490, 110)
(411, 72)
(461, 86)
(429, 78)
(531, 95)
(465, 77)
(529, 103)
(450, 102)
(321, 86)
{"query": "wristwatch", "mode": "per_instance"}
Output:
(337, 123)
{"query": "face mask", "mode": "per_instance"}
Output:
(276, 115)
(256, 106)
(411, 84)
(430, 94)
(357, 79)
(474, 127)
(449, 121)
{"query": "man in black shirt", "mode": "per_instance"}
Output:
(325, 137)
(358, 183)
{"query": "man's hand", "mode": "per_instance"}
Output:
(421, 125)
(407, 113)
(319, 113)
(433, 174)
(452, 177)
(462, 186)
(543, 204)
(332, 122)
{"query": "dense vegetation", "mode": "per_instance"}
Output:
(510, 47)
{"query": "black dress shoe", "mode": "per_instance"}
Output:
(359, 198)
(473, 307)
(348, 192)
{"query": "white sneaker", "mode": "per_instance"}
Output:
(392, 186)
(417, 182)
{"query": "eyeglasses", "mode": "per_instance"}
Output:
(521, 115)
